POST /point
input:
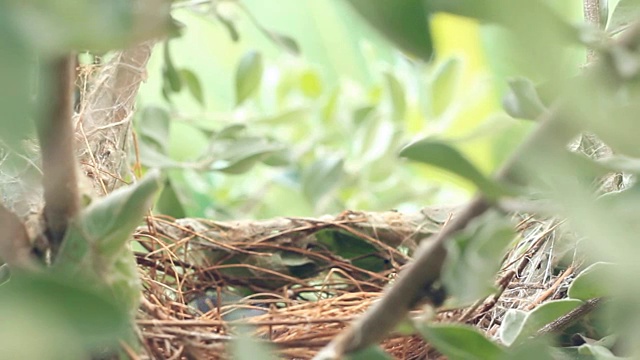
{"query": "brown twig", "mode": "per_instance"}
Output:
(56, 138)
(568, 319)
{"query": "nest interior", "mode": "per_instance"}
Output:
(298, 282)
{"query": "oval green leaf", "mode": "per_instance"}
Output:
(248, 76)
(460, 342)
(403, 22)
(193, 84)
(590, 283)
(444, 156)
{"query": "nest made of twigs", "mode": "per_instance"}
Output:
(182, 259)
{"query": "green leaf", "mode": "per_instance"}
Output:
(460, 342)
(625, 13)
(322, 177)
(248, 76)
(597, 352)
(153, 157)
(104, 228)
(96, 248)
(171, 76)
(440, 154)
(193, 84)
(518, 325)
(284, 41)
(245, 347)
(474, 257)
(169, 202)
(444, 85)
(373, 139)
(289, 117)
(236, 156)
(370, 353)
(591, 282)
(405, 23)
(89, 24)
(153, 126)
(531, 35)
(230, 26)
(396, 92)
(87, 312)
(522, 100)
(18, 72)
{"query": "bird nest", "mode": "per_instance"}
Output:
(298, 282)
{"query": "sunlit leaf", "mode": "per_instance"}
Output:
(460, 342)
(288, 117)
(248, 76)
(444, 85)
(590, 283)
(193, 84)
(373, 139)
(442, 155)
(310, 84)
(518, 325)
(474, 257)
(396, 92)
(527, 37)
(405, 23)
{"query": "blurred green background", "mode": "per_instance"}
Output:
(322, 131)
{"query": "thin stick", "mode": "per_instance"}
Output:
(56, 138)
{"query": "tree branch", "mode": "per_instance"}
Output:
(15, 248)
(56, 137)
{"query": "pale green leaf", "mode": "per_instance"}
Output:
(625, 13)
(591, 282)
(321, 177)
(248, 76)
(193, 84)
(397, 95)
(153, 126)
(173, 81)
(442, 155)
(518, 325)
(460, 342)
(284, 41)
(310, 83)
(104, 228)
(246, 347)
(522, 100)
(444, 85)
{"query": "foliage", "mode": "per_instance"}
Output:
(291, 139)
